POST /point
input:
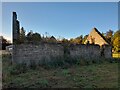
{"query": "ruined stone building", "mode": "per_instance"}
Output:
(95, 37)
(15, 27)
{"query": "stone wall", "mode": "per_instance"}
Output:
(85, 51)
(27, 53)
(30, 52)
(108, 51)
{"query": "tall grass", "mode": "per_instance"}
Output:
(11, 70)
(65, 61)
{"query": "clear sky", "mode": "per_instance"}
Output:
(65, 19)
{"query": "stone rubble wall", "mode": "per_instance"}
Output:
(29, 52)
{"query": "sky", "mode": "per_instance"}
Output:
(61, 19)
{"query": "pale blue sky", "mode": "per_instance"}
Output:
(67, 20)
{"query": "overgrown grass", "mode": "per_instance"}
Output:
(61, 73)
(67, 61)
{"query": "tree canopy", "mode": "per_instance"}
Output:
(110, 36)
(3, 43)
(116, 41)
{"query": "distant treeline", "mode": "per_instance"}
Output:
(3, 43)
(32, 37)
(113, 38)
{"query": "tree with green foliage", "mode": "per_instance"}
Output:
(22, 35)
(36, 37)
(79, 39)
(84, 39)
(3, 43)
(109, 35)
(29, 36)
(65, 41)
(116, 41)
(33, 37)
(116, 44)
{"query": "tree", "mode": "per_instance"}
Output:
(36, 37)
(29, 36)
(116, 44)
(3, 43)
(116, 34)
(65, 41)
(79, 39)
(3, 40)
(71, 40)
(103, 34)
(109, 35)
(22, 35)
(84, 39)
(116, 41)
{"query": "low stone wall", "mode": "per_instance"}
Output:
(85, 51)
(29, 52)
(108, 51)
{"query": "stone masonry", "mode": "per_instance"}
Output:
(28, 52)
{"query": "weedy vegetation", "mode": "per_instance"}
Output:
(61, 72)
